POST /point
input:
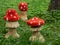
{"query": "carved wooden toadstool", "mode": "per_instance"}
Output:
(11, 18)
(35, 24)
(23, 7)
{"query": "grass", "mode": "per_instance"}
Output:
(51, 29)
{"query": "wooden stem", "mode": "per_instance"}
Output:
(23, 16)
(12, 32)
(37, 35)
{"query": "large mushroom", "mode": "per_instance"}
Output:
(23, 7)
(35, 24)
(11, 18)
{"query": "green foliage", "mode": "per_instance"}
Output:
(51, 29)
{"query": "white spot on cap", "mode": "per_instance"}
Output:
(16, 13)
(9, 10)
(24, 6)
(32, 18)
(36, 18)
(11, 15)
(31, 22)
(38, 23)
(21, 7)
(22, 3)
(14, 16)
(7, 19)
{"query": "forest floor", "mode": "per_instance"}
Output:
(50, 31)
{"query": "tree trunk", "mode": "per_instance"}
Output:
(54, 4)
(58, 4)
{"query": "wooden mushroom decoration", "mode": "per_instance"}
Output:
(35, 24)
(11, 18)
(23, 7)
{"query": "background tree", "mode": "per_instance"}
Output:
(54, 4)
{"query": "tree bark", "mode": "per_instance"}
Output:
(54, 4)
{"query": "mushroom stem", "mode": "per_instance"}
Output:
(12, 32)
(23, 15)
(37, 35)
(23, 12)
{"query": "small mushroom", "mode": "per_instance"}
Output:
(23, 7)
(35, 24)
(11, 18)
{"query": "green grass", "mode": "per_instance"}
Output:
(51, 29)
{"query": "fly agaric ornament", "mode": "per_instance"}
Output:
(23, 7)
(35, 24)
(11, 18)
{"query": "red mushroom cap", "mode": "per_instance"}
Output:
(11, 15)
(23, 6)
(34, 22)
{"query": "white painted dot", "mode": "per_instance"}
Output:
(34, 21)
(21, 7)
(14, 16)
(31, 22)
(9, 10)
(43, 22)
(16, 13)
(22, 3)
(38, 23)
(36, 18)
(32, 18)
(7, 19)
(11, 15)
(24, 6)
